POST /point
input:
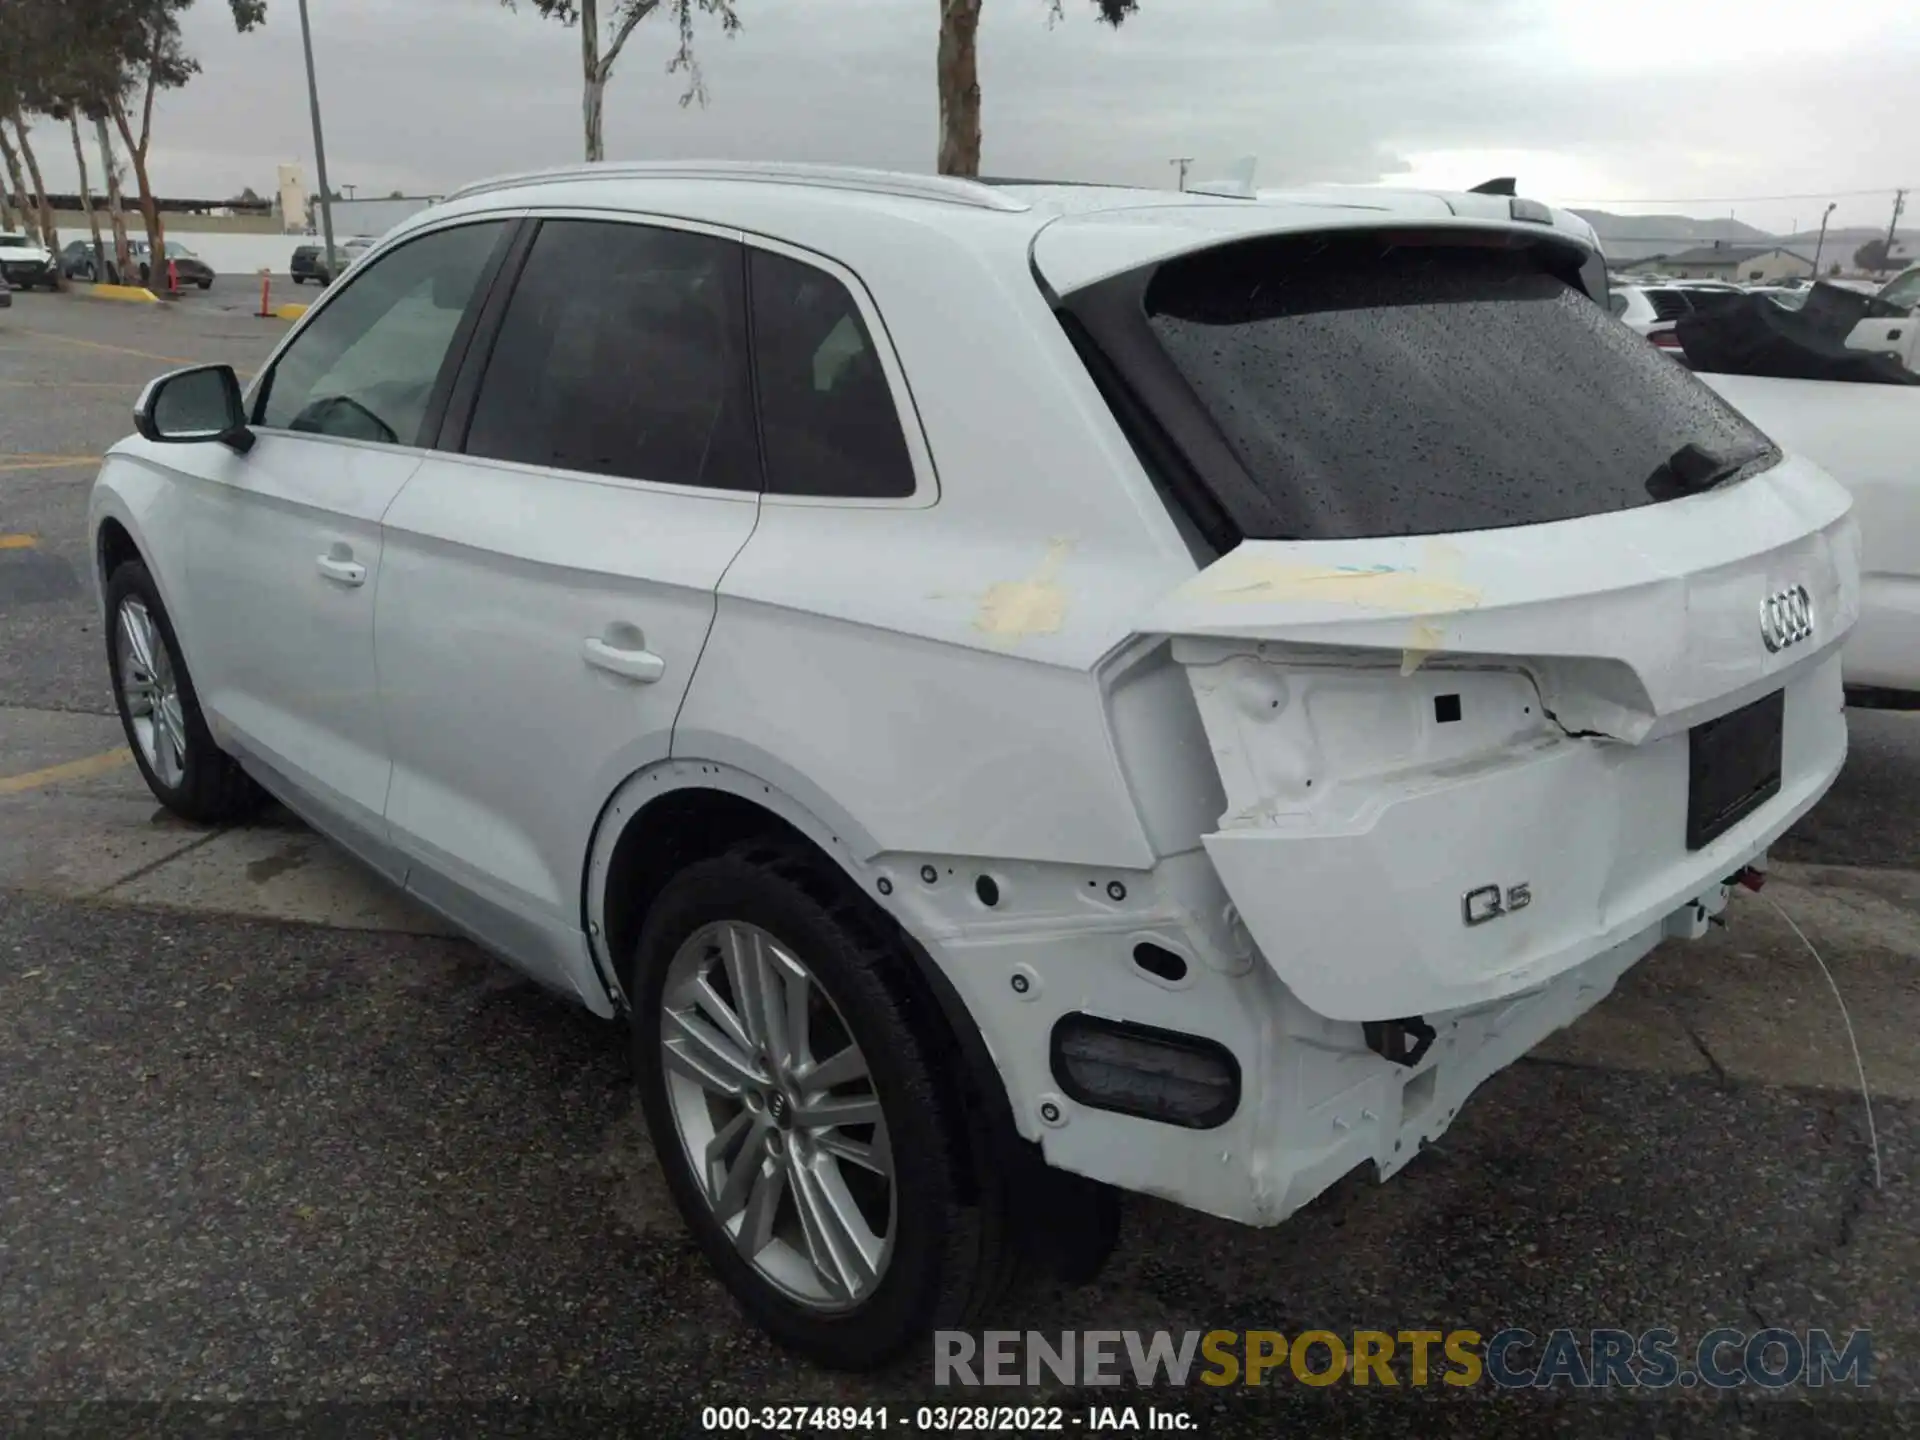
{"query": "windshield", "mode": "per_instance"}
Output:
(16, 242)
(1370, 386)
(175, 248)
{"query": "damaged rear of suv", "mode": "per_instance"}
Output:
(1398, 649)
(1491, 649)
(1513, 648)
(998, 684)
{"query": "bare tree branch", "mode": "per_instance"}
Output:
(630, 17)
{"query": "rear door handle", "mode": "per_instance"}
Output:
(639, 665)
(341, 572)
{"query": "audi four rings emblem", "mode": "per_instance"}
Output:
(1786, 618)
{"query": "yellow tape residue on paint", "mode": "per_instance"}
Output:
(1427, 592)
(84, 769)
(1431, 588)
(18, 542)
(1034, 606)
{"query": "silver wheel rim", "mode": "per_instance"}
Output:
(778, 1116)
(150, 692)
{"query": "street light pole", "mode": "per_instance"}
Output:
(1182, 161)
(1835, 205)
(319, 145)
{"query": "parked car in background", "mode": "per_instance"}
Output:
(1892, 324)
(6, 294)
(26, 262)
(1650, 310)
(78, 261)
(1868, 438)
(310, 261)
(1803, 380)
(1150, 788)
(191, 269)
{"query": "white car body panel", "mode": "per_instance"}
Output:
(283, 553)
(507, 589)
(1868, 438)
(1028, 672)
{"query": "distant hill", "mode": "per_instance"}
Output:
(1634, 237)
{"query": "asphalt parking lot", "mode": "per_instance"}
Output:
(269, 1139)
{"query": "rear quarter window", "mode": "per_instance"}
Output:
(828, 423)
(1370, 386)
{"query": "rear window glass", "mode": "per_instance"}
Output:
(1370, 387)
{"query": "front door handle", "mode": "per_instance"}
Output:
(341, 572)
(639, 664)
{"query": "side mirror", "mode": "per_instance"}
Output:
(189, 407)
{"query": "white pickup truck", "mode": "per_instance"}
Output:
(1868, 438)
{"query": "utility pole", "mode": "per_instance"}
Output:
(1899, 204)
(1822, 243)
(319, 145)
(1183, 161)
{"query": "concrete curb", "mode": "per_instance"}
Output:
(137, 293)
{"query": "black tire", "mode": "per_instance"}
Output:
(206, 284)
(952, 1249)
(213, 789)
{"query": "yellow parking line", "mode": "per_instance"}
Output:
(46, 462)
(102, 345)
(72, 770)
(18, 542)
(71, 384)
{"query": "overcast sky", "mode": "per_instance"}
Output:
(1588, 101)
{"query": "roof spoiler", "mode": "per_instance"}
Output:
(1504, 185)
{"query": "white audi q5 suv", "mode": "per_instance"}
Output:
(1013, 691)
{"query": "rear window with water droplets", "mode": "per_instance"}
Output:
(1374, 387)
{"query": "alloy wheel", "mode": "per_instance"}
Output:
(778, 1115)
(151, 692)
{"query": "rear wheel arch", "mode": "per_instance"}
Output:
(673, 814)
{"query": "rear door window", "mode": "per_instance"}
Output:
(623, 352)
(1379, 386)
